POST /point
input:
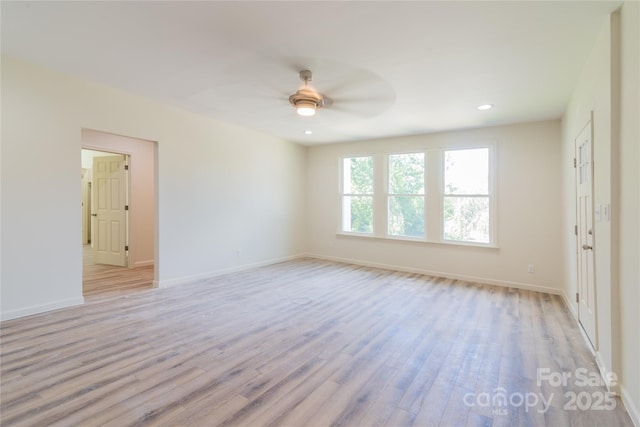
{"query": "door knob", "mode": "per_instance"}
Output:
(586, 247)
(94, 214)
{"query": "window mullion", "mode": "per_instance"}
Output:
(380, 196)
(433, 187)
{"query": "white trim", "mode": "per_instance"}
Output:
(433, 191)
(492, 189)
(475, 279)
(188, 279)
(41, 308)
(618, 388)
(143, 263)
(632, 409)
(605, 373)
(570, 306)
(342, 194)
(420, 240)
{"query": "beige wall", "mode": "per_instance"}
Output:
(628, 254)
(608, 86)
(220, 188)
(142, 187)
(529, 203)
(592, 93)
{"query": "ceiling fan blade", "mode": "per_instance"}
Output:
(345, 83)
(326, 101)
(374, 98)
(364, 106)
(349, 110)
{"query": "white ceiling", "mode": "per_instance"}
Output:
(392, 68)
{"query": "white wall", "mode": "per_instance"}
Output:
(629, 212)
(142, 187)
(592, 93)
(529, 204)
(608, 86)
(220, 187)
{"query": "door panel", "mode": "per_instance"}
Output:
(110, 214)
(585, 236)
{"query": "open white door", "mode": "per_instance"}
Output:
(585, 239)
(109, 200)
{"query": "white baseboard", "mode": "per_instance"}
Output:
(570, 306)
(56, 305)
(143, 263)
(503, 283)
(605, 373)
(40, 308)
(632, 409)
(617, 388)
(188, 279)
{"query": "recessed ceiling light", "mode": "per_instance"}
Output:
(307, 132)
(485, 107)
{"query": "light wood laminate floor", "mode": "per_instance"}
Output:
(98, 279)
(301, 343)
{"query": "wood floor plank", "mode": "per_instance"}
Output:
(101, 280)
(304, 342)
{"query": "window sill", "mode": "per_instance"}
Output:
(416, 240)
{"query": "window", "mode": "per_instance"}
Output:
(466, 195)
(430, 194)
(357, 194)
(405, 196)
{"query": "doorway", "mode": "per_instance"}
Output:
(118, 213)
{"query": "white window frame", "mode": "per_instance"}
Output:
(388, 195)
(433, 194)
(341, 228)
(492, 194)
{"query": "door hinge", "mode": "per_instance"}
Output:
(575, 229)
(577, 297)
(126, 167)
(575, 163)
(126, 207)
(126, 248)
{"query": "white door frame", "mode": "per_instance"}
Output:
(98, 146)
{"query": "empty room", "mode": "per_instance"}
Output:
(320, 213)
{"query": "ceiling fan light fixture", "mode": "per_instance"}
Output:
(306, 100)
(306, 109)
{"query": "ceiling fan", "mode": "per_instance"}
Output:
(307, 100)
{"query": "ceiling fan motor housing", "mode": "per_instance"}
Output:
(306, 96)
